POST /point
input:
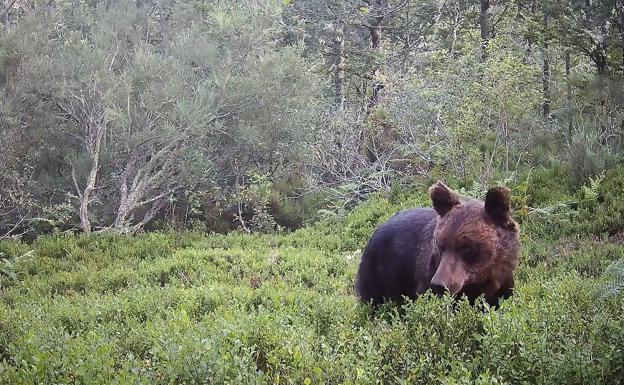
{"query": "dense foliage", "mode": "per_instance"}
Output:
(218, 114)
(185, 308)
(186, 117)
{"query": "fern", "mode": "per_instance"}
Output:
(475, 191)
(507, 181)
(479, 191)
(563, 208)
(614, 280)
(7, 266)
(590, 193)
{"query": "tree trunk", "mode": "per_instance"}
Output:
(339, 68)
(568, 93)
(149, 185)
(125, 203)
(456, 27)
(149, 215)
(83, 211)
(600, 58)
(546, 74)
(405, 51)
(375, 36)
(620, 11)
(374, 28)
(484, 22)
(239, 205)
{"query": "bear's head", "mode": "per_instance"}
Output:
(477, 244)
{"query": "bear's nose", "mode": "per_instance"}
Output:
(438, 289)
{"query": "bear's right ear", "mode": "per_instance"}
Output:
(497, 205)
(443, 198)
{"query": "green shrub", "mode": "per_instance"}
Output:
(589, 155)
(290, 207)
(603, 206)
(547, 186)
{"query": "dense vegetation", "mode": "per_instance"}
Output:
(187, 308)
(130, 129)
(264, 115)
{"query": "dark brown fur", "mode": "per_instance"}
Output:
(467, 248)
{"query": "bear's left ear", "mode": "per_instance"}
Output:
(497, 204)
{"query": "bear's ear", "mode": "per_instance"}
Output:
(497, 204)
(443, 198)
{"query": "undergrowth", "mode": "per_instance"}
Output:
(186, 308)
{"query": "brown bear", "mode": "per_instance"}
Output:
(463, 247)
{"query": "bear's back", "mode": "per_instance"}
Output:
(397, 258)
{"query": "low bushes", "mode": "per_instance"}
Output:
(187, 308)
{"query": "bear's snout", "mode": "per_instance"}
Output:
(438, 289)
(450, 276)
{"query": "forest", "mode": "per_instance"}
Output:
(267, 115)
(186, 187)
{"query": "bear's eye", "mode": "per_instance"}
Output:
(470, 253)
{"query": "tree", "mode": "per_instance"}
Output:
(484, 24)
(147, 100)
(620, 13)
(586, 26)
(124, 115)
(545, 72)
(84, 109)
